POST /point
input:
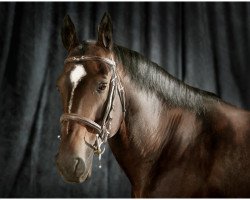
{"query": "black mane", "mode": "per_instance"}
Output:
(153, 78)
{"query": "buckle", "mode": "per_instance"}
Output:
(98, 151)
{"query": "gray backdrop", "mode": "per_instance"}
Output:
(205, 44)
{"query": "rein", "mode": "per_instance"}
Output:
(103, 129)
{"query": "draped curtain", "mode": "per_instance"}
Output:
(207, 45)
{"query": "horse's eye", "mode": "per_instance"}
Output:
(102, 86)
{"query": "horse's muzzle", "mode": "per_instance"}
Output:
(72, 170)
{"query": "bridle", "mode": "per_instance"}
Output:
(102, 130)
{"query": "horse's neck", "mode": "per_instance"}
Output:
(144, 121)
(149, 127)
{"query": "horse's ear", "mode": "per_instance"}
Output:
(105, 32)
(68, 34)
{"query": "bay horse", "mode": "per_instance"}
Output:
(171, 140)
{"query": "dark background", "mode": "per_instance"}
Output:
(205, 44)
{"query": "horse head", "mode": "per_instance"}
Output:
(92, 98)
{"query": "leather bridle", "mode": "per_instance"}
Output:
(103, 129)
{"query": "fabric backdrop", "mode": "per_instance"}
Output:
(207, 45)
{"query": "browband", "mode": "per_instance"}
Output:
(86, 58)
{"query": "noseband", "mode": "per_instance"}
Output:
(102, 130)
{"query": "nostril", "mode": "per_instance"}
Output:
(79, 167)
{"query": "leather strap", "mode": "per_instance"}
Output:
(81, 120)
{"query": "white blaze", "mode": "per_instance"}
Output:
(75, 76)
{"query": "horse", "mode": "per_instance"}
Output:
(171, 139)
